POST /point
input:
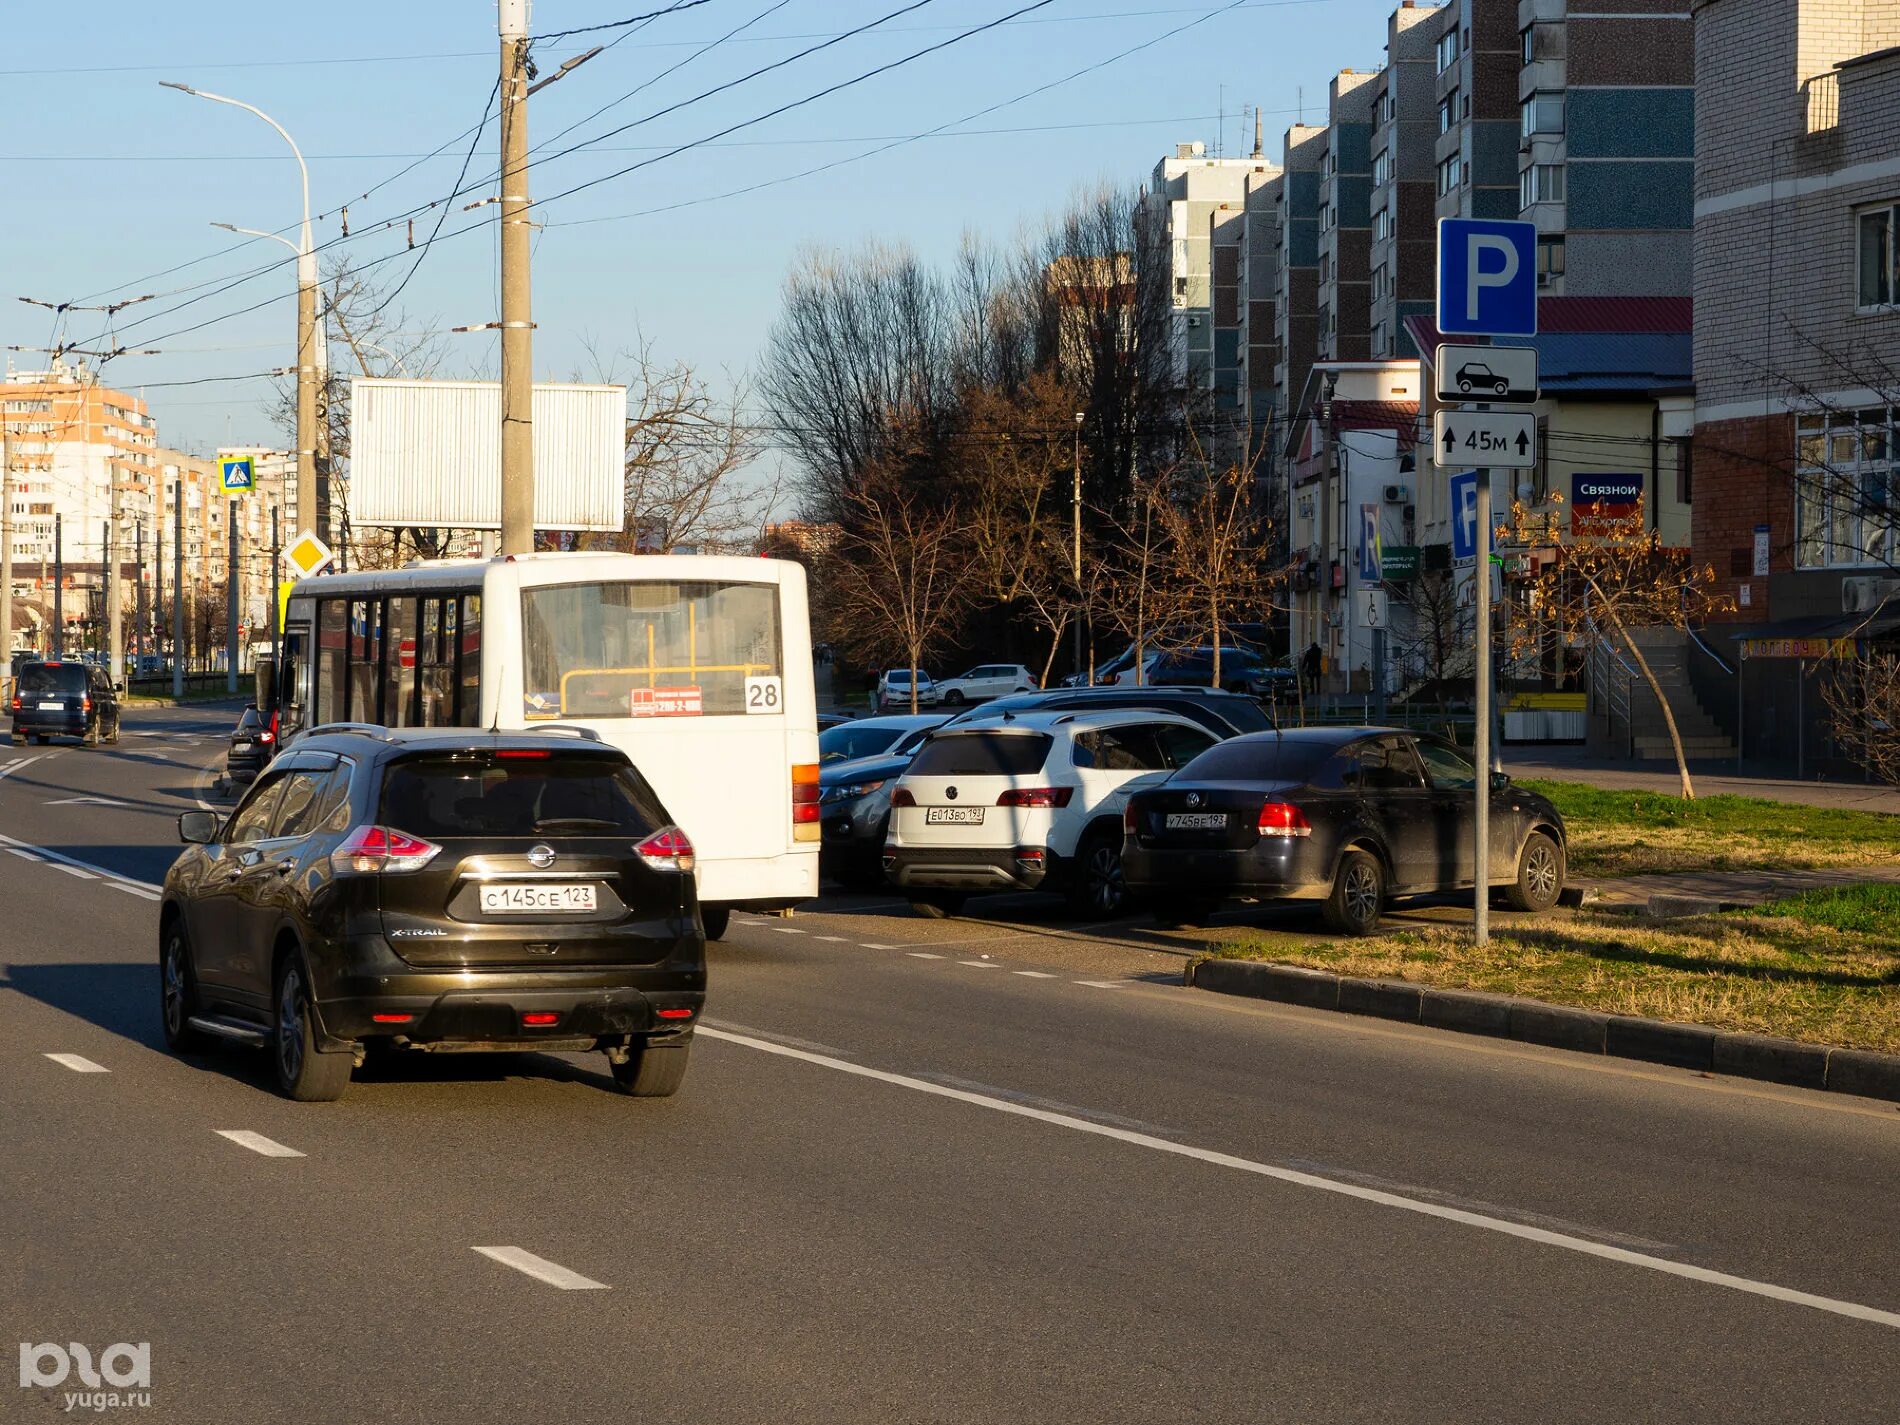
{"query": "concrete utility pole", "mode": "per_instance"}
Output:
(276, 577)
(6, 550)
(307, 375)
(178, 587)
(59, 585)
(109, 567)
(231, 597)
(1075, 511)
(141, 619)
(517, 327)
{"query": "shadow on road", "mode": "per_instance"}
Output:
(121, 999)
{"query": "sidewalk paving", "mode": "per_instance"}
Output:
(1690, 892)
(1578, 764)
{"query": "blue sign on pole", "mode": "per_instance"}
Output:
(238, 473)
(1464, 515)
(1369, 551)
(1487, 277)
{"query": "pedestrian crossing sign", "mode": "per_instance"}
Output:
(238, 474)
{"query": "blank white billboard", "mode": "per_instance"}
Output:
(428, 454)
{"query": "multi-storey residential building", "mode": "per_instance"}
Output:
(1606, 145)
(1192, 196)
(1404, 119)
(1345, 220)
(1476, 117)
(1259, 288)
(1296, 305)
(1797, 300)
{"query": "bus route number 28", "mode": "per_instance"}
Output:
(764, 695)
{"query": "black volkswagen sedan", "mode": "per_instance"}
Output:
(434, 890)
(1348, 817)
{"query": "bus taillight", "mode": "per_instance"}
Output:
(805, 801)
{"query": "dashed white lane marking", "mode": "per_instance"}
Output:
(83, 875)
(58, 858)
(23, 853)
(789, 930)
(132, 890)
(79, 1063)
(840, 939)
(1034, 974)
(981, 964)
(541, 1269)
(1101, 984)
(12, 767)
(258, 1143)
(867, 945)
(922, 955)
(1482, 1221)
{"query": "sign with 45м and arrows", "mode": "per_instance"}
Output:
(1501, 439)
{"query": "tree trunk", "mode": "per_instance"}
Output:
(913, 685)
(1669, 717)
(1055, 646)
(1213, 619)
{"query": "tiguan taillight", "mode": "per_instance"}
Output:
(377, 850)
(666, 850)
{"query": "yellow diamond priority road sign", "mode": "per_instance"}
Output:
(307, 554)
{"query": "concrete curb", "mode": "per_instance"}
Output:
(1695, 1047)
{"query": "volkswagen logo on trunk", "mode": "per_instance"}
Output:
(950, 793)
(541, 856)
(1194, 799)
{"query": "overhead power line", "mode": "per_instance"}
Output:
(650, 15)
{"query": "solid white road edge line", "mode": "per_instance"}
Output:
(258, 1143)
(79, 1063)
(541, 1269)
(1479, 1220)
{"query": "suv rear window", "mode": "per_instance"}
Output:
(982, 754)
(1258, 759)
(53, 678)
(442, 797)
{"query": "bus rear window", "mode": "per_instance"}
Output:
(651, 648)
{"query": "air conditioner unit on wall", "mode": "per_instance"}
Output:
(1864, 595)
(1397, 495)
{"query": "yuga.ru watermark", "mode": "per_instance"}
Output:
(124, 1367)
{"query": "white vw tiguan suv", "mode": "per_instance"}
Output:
(1031, 802)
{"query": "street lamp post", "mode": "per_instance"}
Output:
(306, 320)
(1075, 511)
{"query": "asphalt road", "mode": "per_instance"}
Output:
(921, 1171)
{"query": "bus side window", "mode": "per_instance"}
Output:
(328, 689)
(468, 653)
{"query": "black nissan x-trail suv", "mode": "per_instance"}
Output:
(437, 889)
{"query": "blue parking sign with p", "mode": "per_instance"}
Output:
(1464, 515)
(1487, 277)
(237, 472)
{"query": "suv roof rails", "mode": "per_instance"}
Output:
(368, 729)
(567, 729)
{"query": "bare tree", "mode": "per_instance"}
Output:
(1605, 589)
(1220, 543)
(1862, 698)
(1137, 594)
(899, 577)
(690, 459)
(1435, 643)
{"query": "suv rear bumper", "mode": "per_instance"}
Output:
(51, 724)
(485, 1007)
(966, 868)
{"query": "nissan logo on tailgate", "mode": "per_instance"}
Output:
(541, 856)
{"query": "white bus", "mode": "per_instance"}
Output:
(698, 667)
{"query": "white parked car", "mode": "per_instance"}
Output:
(893, 689)
(991, 680)
(1031, 803)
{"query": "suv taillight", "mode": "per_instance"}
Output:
(377, 850)
(805, 794)
(1283, 819)
(1130, 821)
(1036, 797)
(901, 797)
(667, 850)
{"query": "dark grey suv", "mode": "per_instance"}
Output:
(437, 890)
(64, 698)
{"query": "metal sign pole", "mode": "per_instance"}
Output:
(1481, 749)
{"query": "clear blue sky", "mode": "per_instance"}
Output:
(111, 179)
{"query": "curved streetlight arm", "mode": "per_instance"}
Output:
(306, 257)
(257, 232)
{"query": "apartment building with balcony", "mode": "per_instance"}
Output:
(1296, 303)
(1343, 296)
(1797, 303)
(1403, 242)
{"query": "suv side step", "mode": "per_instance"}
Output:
(230, 1029)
